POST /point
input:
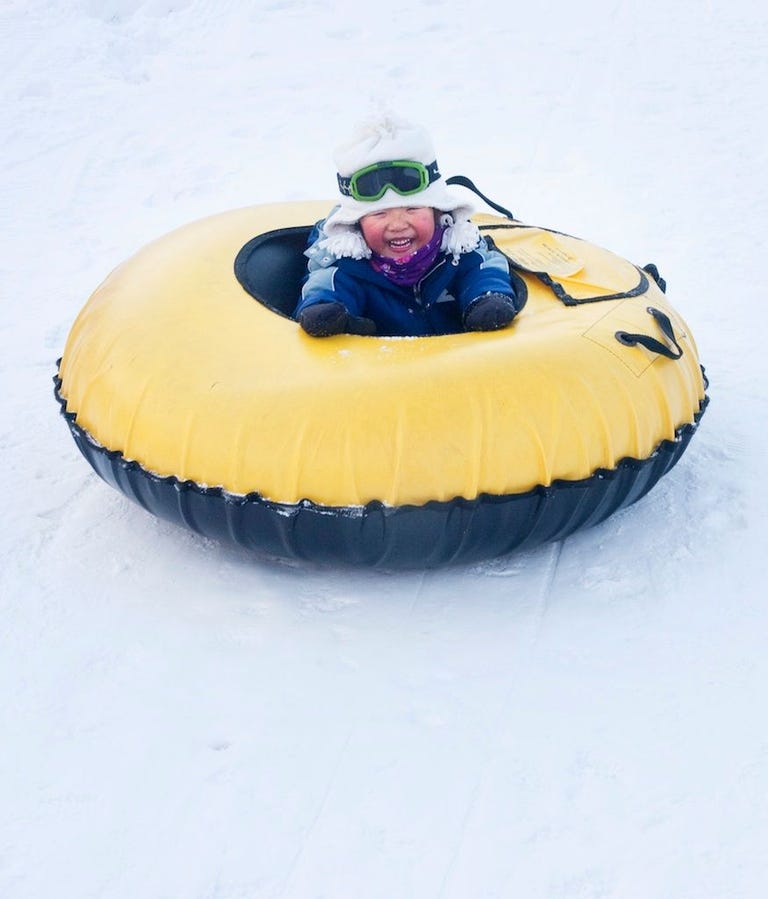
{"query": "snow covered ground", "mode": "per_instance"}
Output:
(178, 719)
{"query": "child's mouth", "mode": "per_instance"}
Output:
(400, 244)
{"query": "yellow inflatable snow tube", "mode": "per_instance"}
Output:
(174, 369)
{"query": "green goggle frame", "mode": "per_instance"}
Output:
(404, 176)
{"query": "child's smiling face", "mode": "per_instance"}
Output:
(398, 233)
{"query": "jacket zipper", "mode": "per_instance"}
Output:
(417, 285)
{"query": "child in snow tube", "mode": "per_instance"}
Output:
(399, 256)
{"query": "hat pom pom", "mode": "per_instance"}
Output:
(346, 242)
(460, 236)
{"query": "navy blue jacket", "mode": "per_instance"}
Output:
(435, 305)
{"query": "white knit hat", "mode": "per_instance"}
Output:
(385, 140)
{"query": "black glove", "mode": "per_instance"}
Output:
(326, 319)
(356, 324)
(489, 312)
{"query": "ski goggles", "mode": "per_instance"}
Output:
(403, 176)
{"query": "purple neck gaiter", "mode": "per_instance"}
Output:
(406, 272)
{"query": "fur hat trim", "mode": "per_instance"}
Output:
(459, 237)
(346, 242)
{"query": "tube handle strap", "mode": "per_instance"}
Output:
(463, 181)
(651, 343)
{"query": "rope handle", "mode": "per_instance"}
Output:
(624, 337)
(651, 343)
(463, 181)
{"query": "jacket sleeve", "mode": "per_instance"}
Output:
(330, 285)
(483, 271)
(325, 282)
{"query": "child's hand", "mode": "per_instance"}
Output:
(489, 312)
(326, 319)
